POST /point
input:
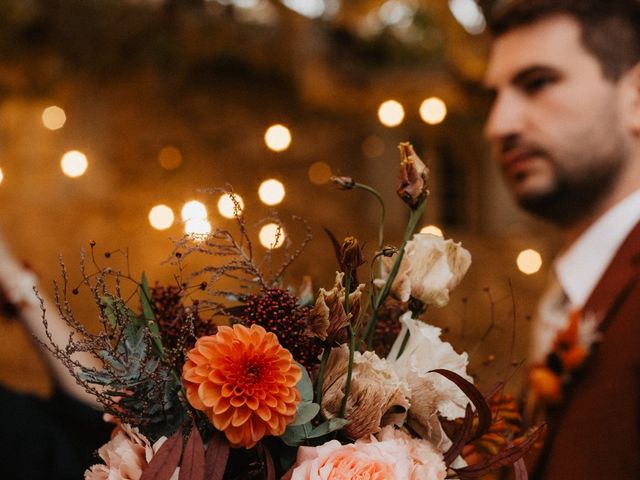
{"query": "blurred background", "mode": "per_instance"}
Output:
(114, 114)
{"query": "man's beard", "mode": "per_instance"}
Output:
(574, 195)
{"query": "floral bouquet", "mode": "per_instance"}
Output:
(230, 375)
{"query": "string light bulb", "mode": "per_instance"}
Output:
(161, 217)
(193, 210)
(227, 207)
(433, 110)
(170, 157)
(271, 192)
(391, 113)
(197, 228)
(74, 164)
(529, 261)
(319, 173)
(277, 138)
(272, 236)
(53, 117)
(433, 230)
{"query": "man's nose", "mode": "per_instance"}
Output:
(506, 118)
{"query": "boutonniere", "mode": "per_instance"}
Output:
(569, 352)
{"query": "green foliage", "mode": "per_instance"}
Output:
(133, 369)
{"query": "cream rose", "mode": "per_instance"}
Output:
(430, 268)
(394, 456)
(432, 395)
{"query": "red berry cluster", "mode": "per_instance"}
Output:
(174, 318)
(277, 311)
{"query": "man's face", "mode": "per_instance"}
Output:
(554, 125)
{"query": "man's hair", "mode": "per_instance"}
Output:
(610, 28)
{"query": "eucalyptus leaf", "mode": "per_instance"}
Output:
(304, 386)
(306, 412)
(328, 427)
(149, 316)
(115, 309)
(145, 298)
(295, 435)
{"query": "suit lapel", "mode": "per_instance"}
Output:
(623, 272)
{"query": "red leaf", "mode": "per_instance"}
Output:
(192, 465)
(461, 438)
(508, 456)
(520, 470)
(166, 460)
(268, 462)
(335, 243)
(470, 390)
(217, 456)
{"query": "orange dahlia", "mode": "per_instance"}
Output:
(245, 382)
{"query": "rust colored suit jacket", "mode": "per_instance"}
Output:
(596, 433)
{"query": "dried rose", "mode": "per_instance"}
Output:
(377, 397)
(328, 318)
(351, 254)
(125, 456)
(344, 183)
(414, 177)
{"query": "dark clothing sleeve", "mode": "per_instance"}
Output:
(53, 439)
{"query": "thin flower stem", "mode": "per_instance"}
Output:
(347, 385)
(411, 225)
(320, 380)
(405, 340)
(347, 287)
(352, 345)
(376, 194)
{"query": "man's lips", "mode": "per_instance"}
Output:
(517, 161)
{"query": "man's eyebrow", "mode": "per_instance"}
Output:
(533, 71)
(522, 77)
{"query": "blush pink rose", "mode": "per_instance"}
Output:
(125, 456)
(393, 456)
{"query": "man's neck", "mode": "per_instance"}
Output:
(629, 182)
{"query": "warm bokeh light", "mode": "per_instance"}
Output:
(74, 163)
(161, 217)
(469, 14)
(271, 191)
(53, 117)
(529, 261)
(433, 110)
(433, 230)
(272, 236)
(193, 210)
(170, 158)
(373, 146)
(319, 173)
(308, 8)
(197, 227)
(1, 175)
(394, 12)
(226, 207)
(277, 138)
(391, 113)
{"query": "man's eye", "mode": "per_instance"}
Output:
(534, 85)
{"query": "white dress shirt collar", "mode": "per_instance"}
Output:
(580, 267)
